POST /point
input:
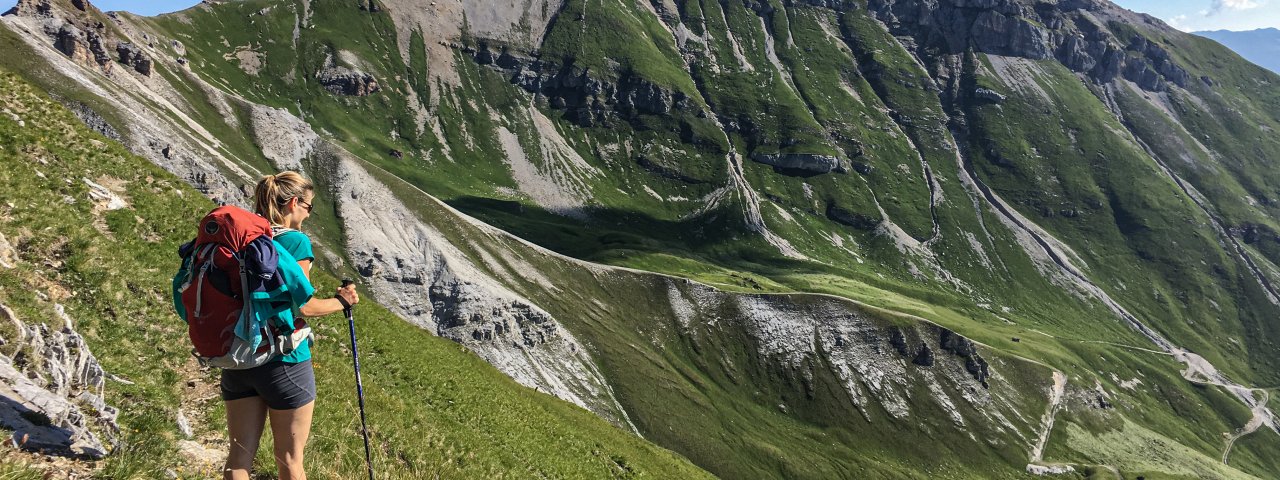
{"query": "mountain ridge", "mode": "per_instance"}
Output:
(1260, 46)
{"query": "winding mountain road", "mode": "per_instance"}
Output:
(1260, 415)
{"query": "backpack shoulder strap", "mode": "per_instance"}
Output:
(278, 230)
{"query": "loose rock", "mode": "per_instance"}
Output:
(8, 256)
(58, 375)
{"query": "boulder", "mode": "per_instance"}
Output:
(898, 341)
(84, 47)
(70, 41)
(964, 348)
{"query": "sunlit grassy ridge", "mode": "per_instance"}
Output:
(434, 408)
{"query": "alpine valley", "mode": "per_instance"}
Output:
(661, 238)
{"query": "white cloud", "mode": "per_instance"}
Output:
(1220, 5)
(1179, 22)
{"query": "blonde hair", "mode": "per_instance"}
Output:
(274, 192)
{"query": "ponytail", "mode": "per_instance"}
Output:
(274, 192)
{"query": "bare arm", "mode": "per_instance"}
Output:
(319, 307)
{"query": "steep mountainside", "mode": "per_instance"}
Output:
(88, 234)
(894, 238)
(1261, 46)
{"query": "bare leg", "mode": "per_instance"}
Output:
(289, 431)
(246, 417)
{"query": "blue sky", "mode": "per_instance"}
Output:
(141, 7)
(144, 7)
(1193, 15)
(1189, 15)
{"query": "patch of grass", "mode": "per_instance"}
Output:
(1137, 451)
(11, 469)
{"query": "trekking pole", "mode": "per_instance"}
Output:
(355, 360)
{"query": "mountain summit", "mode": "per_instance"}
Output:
(802, 239)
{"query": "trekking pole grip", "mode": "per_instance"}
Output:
(346, 282)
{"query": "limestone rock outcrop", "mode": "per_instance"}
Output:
(85, 47)
(988, 95)
(964, 348)
(340, 80)
(51, 390)
(803, 162)
(134, 57)
(8, 256)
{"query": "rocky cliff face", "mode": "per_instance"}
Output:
(589, 99)
(878, 365)
(1074, 32)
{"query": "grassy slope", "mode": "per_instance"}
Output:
(1130, 215)
(434, 408)
(1233, 118)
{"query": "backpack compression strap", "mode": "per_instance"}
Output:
(205, 254)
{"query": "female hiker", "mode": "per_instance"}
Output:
(284, 389)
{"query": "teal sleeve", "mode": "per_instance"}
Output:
(298, 244)
(299, 286)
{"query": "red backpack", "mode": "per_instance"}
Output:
(214, 293)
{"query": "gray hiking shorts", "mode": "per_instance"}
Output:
(283, 386)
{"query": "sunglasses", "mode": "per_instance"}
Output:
(305, 205)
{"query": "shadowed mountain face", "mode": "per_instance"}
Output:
(814, 239)
(1261, 46)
